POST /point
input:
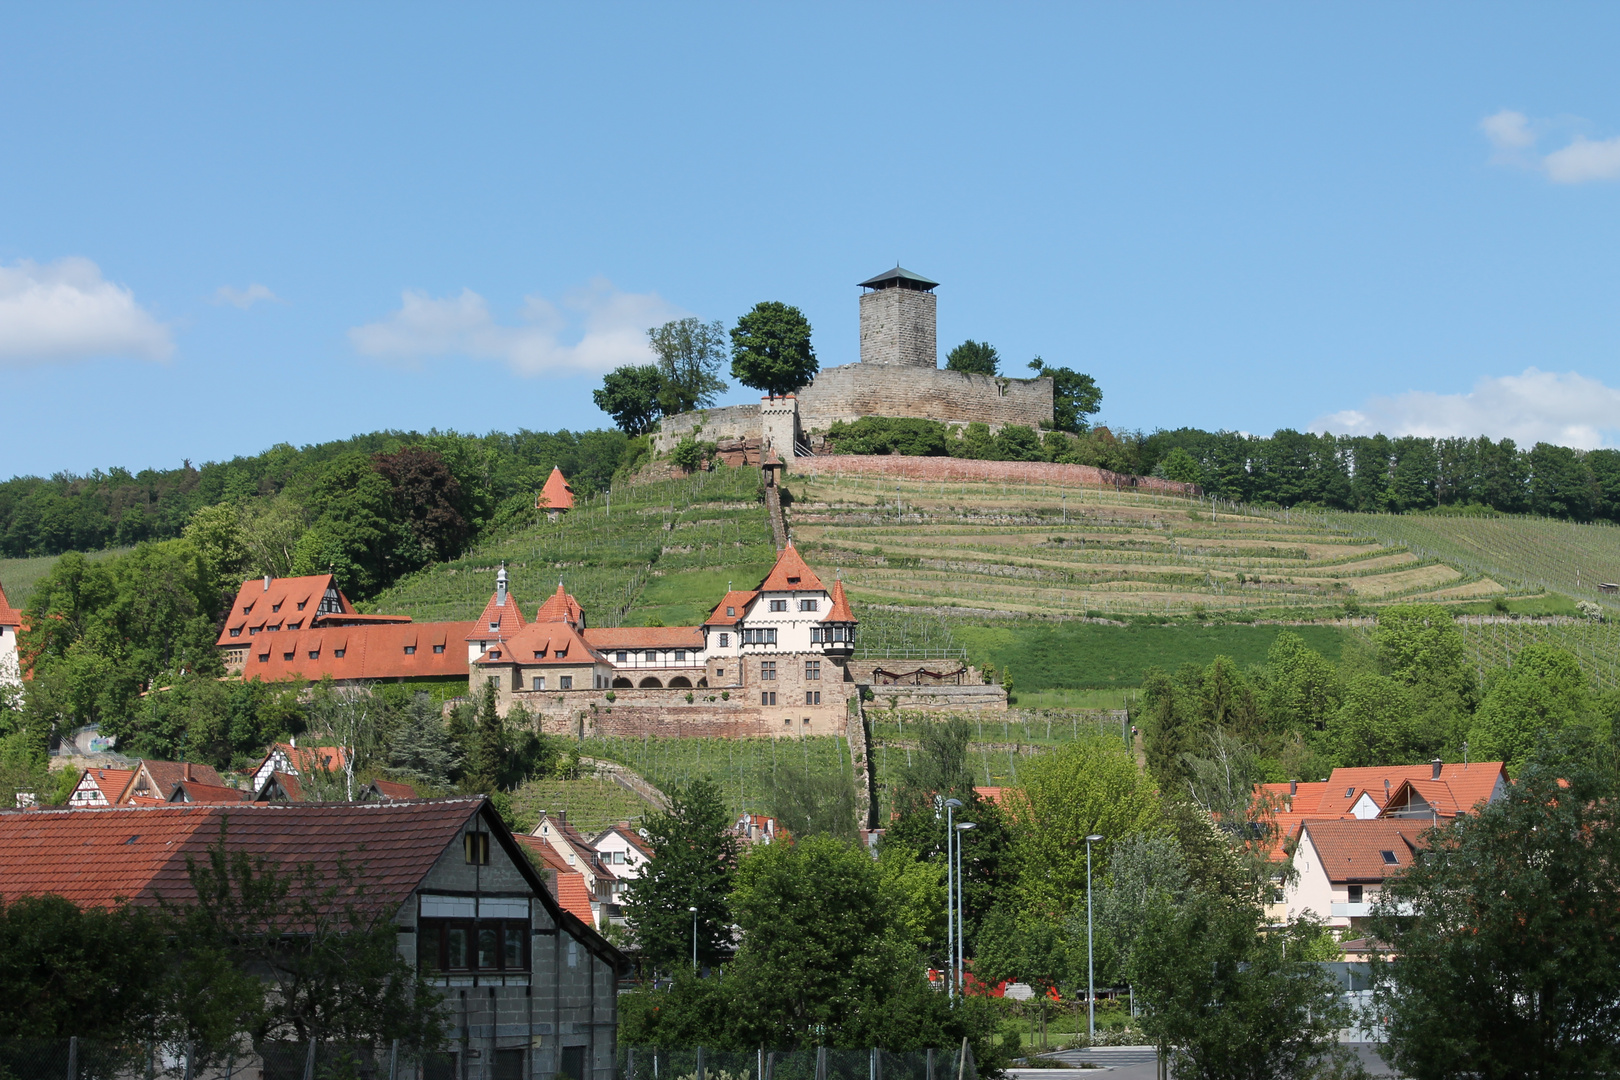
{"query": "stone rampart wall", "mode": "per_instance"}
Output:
(966, 469)
(667, 714)
(938, 698)
(730, 422)
(856, 390)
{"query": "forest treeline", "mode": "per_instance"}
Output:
(371, 507)
(1367, 473)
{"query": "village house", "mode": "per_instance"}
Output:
(530, 989)
(291, 759)
(623, 852)
(567, 886)
(580, 857)
(100, 787)
(1340, 866)
(556, 498)
(10, 660)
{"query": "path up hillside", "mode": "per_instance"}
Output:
(655, 553)
(1000, 550)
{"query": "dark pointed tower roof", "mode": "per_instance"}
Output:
(900, 278)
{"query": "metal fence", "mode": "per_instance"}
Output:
(86, 1059)
(819, 1063)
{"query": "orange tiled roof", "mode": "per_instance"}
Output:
(110, 782)
(95, 857)
(497, 620)
(991, 794)
(165, 774)
(540, 643)
(287, 782)
(392, 789)
(1352, 850)
(304, 758)
(1301, 798)
(1473, 784)
(1444, 798)
(574, 896)
(840, 606)
(257, 606)
(738, 601)
(556, 495)
(560, 606)
(646, 637)
(546, 853)
(791, 574)
(9, 616)
(369, 652)
(193, 791)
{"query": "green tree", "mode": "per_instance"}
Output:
(1091, 786)
(1030, 948)
(1225, 1002)
(812, 804)
(973, 357)
(355, 536)
(1374, 724)
(216, 533)
(421, 750)
(1182, 467)
(428, 501)
(1074, 396)
(689, 353)
(1511, 967)
(1303, 690)
(1541, 694)
(940, 767)
(1144, 871)
(770, 349)
(693, 864)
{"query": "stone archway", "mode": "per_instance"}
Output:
(651, 683)
(680, 682)
(621, 683)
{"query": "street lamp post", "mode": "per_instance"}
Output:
(952, 887)
(693, 910)
(961, 927)
(1091, 974)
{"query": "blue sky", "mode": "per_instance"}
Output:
(225, 226)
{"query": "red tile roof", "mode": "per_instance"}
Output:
(497, 620)
(304, 758)
(574, 897)
(1473, 784)
(1444, 798)
(1301, 798)
(163, 775)
(738, 601)
(257, 606)
(539, 643)
(560, 606)
(646, 637)
(840, 606)
(110, 782)
(291, 790)
(1352, 850)
(194, 791)
(94, 857)
(544, 852)
(9, 616)
(369, 652)
(392, 789)
(991, 794)
(791, 574)
(556, 495)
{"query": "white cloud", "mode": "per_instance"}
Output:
(66, 310)
(243, 298)
(1508, 130)
(1537, 406)
(594, 329)
(1513, 137)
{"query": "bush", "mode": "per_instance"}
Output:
(913, 437)
(690, 455)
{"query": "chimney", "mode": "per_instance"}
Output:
(1436, 763)
(267, 583)
(1293, 788)
(500, 587)
(187, 772)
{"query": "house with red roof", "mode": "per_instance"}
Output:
(556, 498)
(624, 853)
(530, 986)
(100, 787)
(153, 782)
(580, 857)
(773, 656)
(1341, 864)
(11, 624)
(290, 759)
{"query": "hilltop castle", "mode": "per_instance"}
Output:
(898, 375)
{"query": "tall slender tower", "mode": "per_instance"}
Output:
(897, 320)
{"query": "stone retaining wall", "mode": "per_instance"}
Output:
(968, 470)
(856, 390)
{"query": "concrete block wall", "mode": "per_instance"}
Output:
(950, 469)
(897, 327)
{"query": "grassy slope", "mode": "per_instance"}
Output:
(592, 804)
(19, 576)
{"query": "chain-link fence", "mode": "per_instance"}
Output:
(820, 1063)
(86, 1059)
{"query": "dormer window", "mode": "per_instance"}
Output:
(301, 604)
(337, 654)
(286, 656)
(236, 631)
(314, 654)
(538, 655)
(494, 626)
(296, 625)
(731, 611)
(252, 630)
(438, 648)
(410, 650)
(560, 653)
(275, 607)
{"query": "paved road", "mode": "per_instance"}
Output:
(1141, 1063)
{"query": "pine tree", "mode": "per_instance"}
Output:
(423, 751)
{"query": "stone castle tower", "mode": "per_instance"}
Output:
(897, 320)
